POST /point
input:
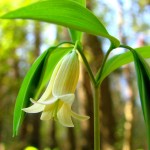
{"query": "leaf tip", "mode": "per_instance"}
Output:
(14, 133)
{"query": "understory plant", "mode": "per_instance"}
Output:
(56, 70)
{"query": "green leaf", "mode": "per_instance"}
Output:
(122, 59)
(76, 35)
(81, 2)
(72, 15)
(26, 91)
(143, 80)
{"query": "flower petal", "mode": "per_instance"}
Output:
(67, 98)
(48, 92)
(35, 108)
(67, 76)
(64, 115)
(51, 110)
(47, 102)
(48, 112)
(79, 117)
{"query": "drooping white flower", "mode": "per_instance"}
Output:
(58, 97)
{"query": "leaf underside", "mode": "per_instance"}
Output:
(72, 15)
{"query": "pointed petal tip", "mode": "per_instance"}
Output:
(79, 117)
(32, 100)
(28, 110)
(46, 102)
(35, 108)
(64, 116)
(70, 125)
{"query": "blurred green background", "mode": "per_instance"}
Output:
(122, 126)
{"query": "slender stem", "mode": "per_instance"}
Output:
(127, 47)
(66, 42)
(96, 98)
(87, 66)
(99, 73)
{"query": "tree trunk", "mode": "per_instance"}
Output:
(107, 117)
(129, 112)
(86, 107)
(53, 141)
(35, 119)
(130, 104)
(31, 127)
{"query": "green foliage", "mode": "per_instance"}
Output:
(78, 19)
(26, 91)
(72, 15)
(76, 35)
(143, 80)
(81, 2)
(122, 59)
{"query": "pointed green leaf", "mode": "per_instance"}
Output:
(26, 91)
(122, 59)
(72, 15)
(143, 80)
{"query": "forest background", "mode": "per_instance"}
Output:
(122, 125)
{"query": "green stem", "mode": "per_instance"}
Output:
(127, 47)
(96, 95)
(99, 73)
(87, 66)
(96, 99)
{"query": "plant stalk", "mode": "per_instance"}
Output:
(100, 71)
(96, 103)
(92, 78)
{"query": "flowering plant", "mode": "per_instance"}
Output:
(60, 76)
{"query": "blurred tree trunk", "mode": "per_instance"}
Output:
(129, 112)
(107, 117)
(130, 103)
(71, 139)
(35, 119)
(35, 134)
(1, 129)
(31, 127)
(84, 92)
(53, 141)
